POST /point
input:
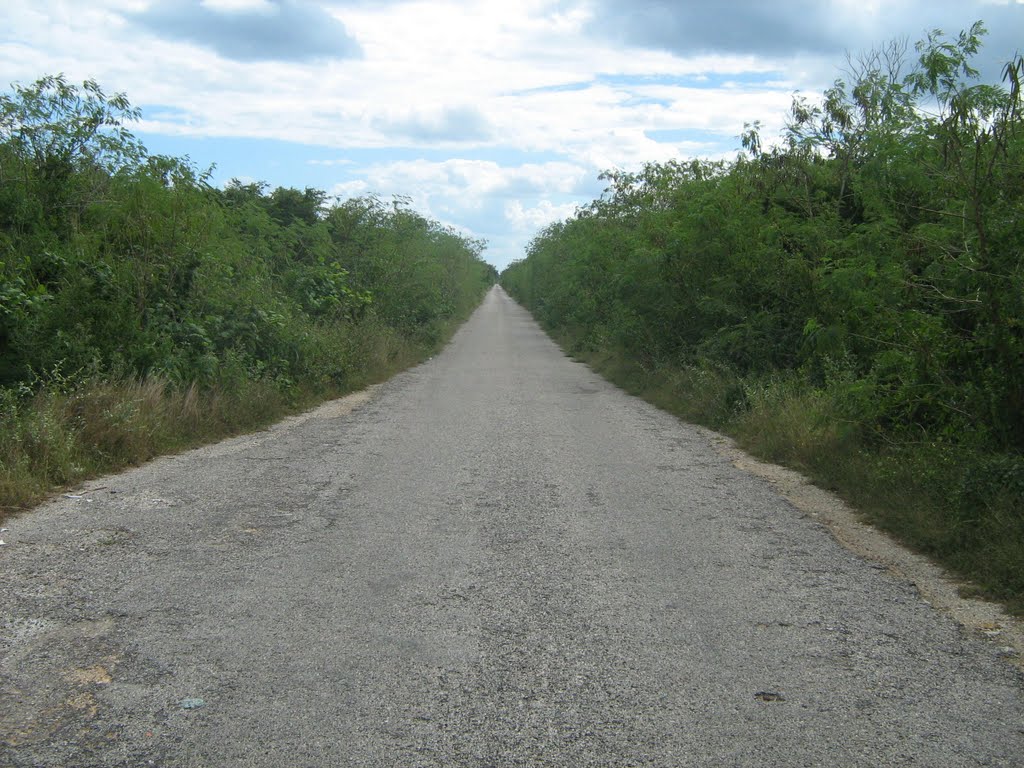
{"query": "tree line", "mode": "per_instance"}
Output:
(118, 268)
(850, 299)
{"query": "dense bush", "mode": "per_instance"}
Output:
(121, 267)
(869, 269)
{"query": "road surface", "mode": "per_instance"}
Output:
(494, 559)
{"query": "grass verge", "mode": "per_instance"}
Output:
(70, 431)
(960, 506)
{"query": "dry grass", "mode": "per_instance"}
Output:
(56, 438)
(64, 435)
(963, 508)
(789, 423)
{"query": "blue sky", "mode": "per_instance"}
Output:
(493, 117)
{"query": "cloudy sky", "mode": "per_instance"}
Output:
(493, 116)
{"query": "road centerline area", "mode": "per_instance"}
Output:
(497, 559)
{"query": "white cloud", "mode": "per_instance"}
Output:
(480, 79)
(349, 189)
(456, 73)
(332, 163)
(240, 6)
(538, 216)
(466, 189)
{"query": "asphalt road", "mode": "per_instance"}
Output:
(495, 559)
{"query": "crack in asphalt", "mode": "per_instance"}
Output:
(494, 559)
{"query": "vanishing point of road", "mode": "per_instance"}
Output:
(494, 559)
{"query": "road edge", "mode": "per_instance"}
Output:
(936, 586)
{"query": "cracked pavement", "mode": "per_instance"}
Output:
(494, 559)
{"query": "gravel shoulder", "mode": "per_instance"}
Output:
(936, 586)
(495, 558)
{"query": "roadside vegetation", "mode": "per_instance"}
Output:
(143, 310)
(849, 302)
